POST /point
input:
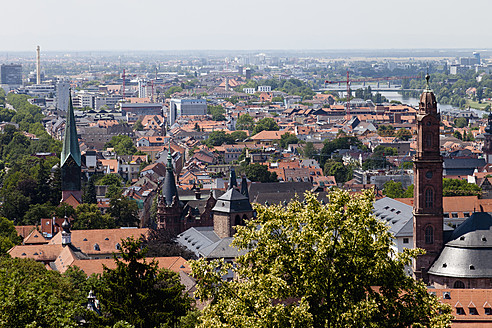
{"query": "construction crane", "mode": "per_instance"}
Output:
(373, 79)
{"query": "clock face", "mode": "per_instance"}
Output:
(428, 174)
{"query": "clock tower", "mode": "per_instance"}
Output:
(427, 168)
(71, 159)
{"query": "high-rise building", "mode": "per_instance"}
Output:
(62, 95)
(427, 167)
(180, 107)
(11, 75)
(71, 161)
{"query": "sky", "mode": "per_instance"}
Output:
(89, 25)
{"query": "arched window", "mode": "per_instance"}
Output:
(429, 235)
(245, 218)
(237, 220)
(429, 197)
(428, 140)
(459, 284)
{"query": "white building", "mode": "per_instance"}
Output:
(249, 90)
(264, 88)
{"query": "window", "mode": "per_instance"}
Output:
(459, 284)
(429, 197)
(460, 311)
(466, 214)
(488, 311)
(446, 215)
(454, 215)
(429, 235)
(473, 311)
(405, 240)
(428, 139)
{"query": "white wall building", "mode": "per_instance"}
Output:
(62, 95)
(264, 88)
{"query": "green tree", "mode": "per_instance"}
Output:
(335, 168)
(90, 195)
(110, 180)
(122, 144)
(267, 124)
(403, 134)
(245, 122)
(259, 173)
(309, 151)
(140, 293)
(218, 138)
(316, 265)
(393, 189)
(386, 131)
(32, 296)
(460, 122)
(217, 112)
(286, 139)
(88, 216)
(8, 236)
(459, 187)
(239, 136)
(138, 126)
(457, 135)
(123, 210)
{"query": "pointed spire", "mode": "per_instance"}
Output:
(244, 187)
(169, 190)
(70, 139)
(232, 179)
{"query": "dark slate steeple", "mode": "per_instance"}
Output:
(244, 187)
(232, 179)
(71, 159)
(70, 139)
(169, 190)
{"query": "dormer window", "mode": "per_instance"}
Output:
(96, 247)
(118, 246)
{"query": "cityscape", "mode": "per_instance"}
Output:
(264, 165)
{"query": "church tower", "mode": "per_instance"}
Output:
(170, 209)
(427, 168)
(487, 146)
(71, 159)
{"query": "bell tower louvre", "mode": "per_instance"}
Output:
(427, 167)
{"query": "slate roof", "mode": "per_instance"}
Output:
(468, 253)
(232, 202)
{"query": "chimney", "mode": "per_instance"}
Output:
(38, 66)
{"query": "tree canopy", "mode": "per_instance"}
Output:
(140, 293)
(122, 144)
(314, 265)
(267, 124)
(259, 173)
(245, 122)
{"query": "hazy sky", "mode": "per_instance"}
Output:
(251, 24)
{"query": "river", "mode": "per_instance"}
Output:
(415, 102)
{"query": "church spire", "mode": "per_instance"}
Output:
(232, 179)
(71, 172)
(169, 190)
(70, 139)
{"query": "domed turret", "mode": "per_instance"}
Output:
(66, 234)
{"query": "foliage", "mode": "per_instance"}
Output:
(337, 169)
(172, 90)
(267, 124)
(259, 173)
(366, 94)
(457, 135)
(386, 131)
(138, 126)
(217, 112)
(140, 293)
(403, 134)
(88, 216)
(8, 236)
(90, 195)
(112, 179)
(394, 189)
(122, 144)
(124, 210)
(459, 187)
(460, 122)
(309, 151)
(315, 265)
(245, 122)
(32, 296)
(218, 138)
(286, 139)
(161, 242)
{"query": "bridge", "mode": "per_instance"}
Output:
(381, 87)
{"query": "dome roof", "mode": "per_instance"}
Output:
(468, 253)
